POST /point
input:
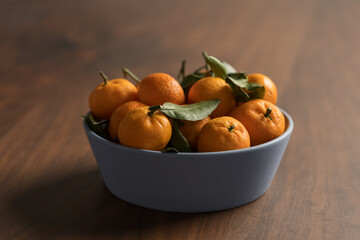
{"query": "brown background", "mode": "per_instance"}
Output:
(50, 55)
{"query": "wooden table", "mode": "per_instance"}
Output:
(50, 55)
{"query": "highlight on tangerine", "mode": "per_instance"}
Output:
(158, 88)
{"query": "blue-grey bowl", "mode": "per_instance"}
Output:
(189, 182)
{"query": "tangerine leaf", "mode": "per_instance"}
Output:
(205, 56)
(237, 86)
(250, 86)
(240, 94)
(217, 67)
(258, 93)
(190, 112)
(243, 83)
(229, 68)
(238, 75)
(96, 127)
(178, 140)
(170, 150)
(254, 90)
(189, 80)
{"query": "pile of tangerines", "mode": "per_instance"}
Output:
(212, 109)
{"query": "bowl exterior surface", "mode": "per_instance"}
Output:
(188, 182)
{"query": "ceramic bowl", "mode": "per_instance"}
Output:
(188, 182)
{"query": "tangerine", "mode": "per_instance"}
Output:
(213, 88)
(158, 88)
(269, 85)
(144, 129)
(223, 134)
(109, 95)
(263, 120)
(119, 114)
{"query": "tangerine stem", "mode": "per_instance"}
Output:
(102, 74)
(268, 112)
(153, 109)
(180, 77)
(127, 72)
(231, 128)
(205, 55)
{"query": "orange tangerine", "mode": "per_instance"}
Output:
(119, 114)
(144, 130)
(263, 120)
(223, 134)
(269, 85)
(158, 88)
(108, 96)
(213, 88)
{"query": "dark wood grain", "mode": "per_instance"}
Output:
(51, 51)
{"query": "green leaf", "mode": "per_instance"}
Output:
(217, 67)
(238, 75)
(255, 90)
(251, 86)
(237, 86)
(96, 127)
(170, 150)
(242, 83)
(190, 112)
(229, 69)
(240, 94)
(178, 140)
(205, 56)
(189, 80)
(258, 93)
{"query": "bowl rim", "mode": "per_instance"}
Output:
(288, 131)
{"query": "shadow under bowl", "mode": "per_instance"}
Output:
(189, 182)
